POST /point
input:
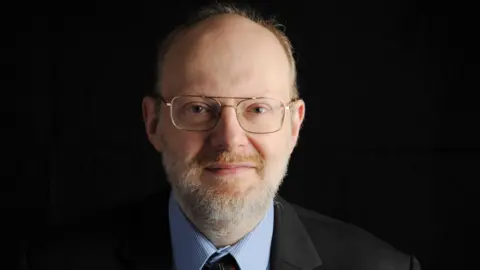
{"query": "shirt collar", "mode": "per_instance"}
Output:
(251, 252)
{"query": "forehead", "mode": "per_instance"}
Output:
(226, 56)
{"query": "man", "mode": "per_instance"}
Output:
(226, 117)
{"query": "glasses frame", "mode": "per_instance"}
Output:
(286, 107)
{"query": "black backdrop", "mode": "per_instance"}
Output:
(390, 141)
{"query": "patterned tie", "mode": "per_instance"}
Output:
(227, 262)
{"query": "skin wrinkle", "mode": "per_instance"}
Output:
(227, 56)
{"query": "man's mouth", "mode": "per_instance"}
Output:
(230, 168)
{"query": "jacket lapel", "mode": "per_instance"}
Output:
(292, 247)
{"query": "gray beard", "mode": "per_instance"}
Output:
(217, 215)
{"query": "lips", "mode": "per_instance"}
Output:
(224, 166)
(224, 169)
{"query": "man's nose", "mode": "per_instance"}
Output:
(228, 133)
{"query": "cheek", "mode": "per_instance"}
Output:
(182, 144)
(270, 146)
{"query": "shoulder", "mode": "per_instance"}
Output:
(339, 243)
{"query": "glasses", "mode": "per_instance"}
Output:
(201, 113)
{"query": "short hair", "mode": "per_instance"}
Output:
(216, 9)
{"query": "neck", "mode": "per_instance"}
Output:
(226, 231)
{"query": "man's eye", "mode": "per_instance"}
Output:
(260, 110)
(197, 108)
(257, 109)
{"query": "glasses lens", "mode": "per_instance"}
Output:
(261, 115)
(194, 113)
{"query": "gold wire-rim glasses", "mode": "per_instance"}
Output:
(286, 107)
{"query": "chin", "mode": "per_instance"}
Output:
(231, 186)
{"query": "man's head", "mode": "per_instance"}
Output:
(225, 155)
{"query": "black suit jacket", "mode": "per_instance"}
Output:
(137, 237)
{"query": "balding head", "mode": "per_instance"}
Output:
(215, 15)
(228, 54)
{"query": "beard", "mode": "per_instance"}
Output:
(217, 205)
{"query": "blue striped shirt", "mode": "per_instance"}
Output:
(191, 249)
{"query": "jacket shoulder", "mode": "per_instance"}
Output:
(345, 246)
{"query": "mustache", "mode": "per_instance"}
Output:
(227, 157)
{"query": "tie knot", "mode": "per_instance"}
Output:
(227, 262)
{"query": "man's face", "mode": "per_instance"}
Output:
(225, 173)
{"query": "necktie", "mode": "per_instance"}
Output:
(227, 262)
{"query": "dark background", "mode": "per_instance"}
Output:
(390, 141)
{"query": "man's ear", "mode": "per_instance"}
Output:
(297, 117)
(151, 120)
